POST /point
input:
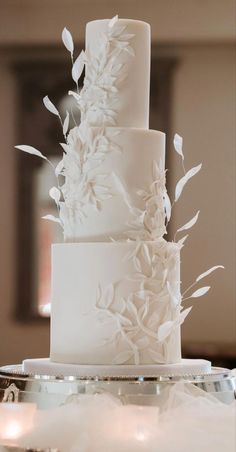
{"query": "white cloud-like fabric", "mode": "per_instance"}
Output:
(188, 419)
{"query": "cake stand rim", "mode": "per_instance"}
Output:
(14, 371)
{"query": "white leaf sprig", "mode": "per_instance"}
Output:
(50, 106)
(200, 292)
(164, 330)
(181, 242)
(190, 223)
(208, 272)
(59, 168)
(55, 194)
(31, 150)
(66, 123)
(167, 205)
(201, 276)
(113, 21)
(183, 181)
(78, 67)
(178, 145)
(68, 41)
(52, 218)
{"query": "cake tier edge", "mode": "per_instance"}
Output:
(43, 366)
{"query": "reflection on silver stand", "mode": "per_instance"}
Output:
(51, 391)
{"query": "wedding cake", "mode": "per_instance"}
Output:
(116, 291)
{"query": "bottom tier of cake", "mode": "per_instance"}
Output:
(116, 303)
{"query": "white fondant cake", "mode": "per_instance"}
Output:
(119, 302)
(116, 298)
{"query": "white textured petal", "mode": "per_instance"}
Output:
(182, 182)
(55, 194)
(68, 40)
(113, 21)
(59, 167)
(181, 242)
(178, 145)
(183, 315)
(78, 67)
(200, 292)
(30, 150)
(164, 330)
(190, 223)
(52, 218)
(75, 95)
(50, 107)
(208, 272)
(167, 205)
(174, 300)
(66, 123)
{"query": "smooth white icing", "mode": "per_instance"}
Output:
(131, 104)
(116, 177)
(111, 303)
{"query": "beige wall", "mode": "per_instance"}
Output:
(203, 112)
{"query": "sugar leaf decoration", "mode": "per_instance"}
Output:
(68, 40)
(55, 194)
(183, 181)
(208, 272)
(30, 150)
(59, 168)
(164, 330)
(190, 223)
(66, 123)
(184, 314)
(113, 21)
(181, 242)
(78, 66)
(52, 218)
(50, 106)
(178, 145)
(200, 292)
(167, 205)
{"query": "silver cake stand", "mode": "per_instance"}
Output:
(51, 391)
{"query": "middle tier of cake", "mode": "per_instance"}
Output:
(114, 184)
(116, 303)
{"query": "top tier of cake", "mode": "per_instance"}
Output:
(127, 59)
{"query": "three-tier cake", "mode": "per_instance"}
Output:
(116, 298)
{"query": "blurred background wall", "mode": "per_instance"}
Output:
(201, 34)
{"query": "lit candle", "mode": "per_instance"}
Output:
(137, 422)
(133, 428)
(15, 420)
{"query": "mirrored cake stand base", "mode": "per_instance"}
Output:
(49, 391)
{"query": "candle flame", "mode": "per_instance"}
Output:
(13, 430)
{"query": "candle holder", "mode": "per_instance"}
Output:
(51, 391)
